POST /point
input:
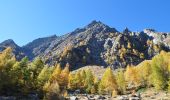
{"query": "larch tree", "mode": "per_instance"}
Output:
(159, 71)
(83, 78)
(52, 91)
(89, 81)
(71, 81)
(56, 73)
(77, 80)
(7, 77)
(132, 76)
(120, 80)
(145, 72)
(44, 76)
(26, 75)
(36, 66)
(108, 82)
(63, 78)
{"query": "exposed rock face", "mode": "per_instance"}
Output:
(96, 44)
(159, 37)
(18, 52)
(38, 46)
(7, 43)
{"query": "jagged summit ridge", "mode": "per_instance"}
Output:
(94, 44)
(9, 43)
(95, 23)
(98, 25)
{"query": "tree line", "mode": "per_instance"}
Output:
(54, 82)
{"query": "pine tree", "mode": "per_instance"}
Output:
(52, 91)
(56, 73)
(7, 77)
(89, 81)
(44, 76)
(77, 80)
(36, 66)
(132, 76)
(83, 78)
(145, 72)
(71, 81)
(108, 82)
(120, 80)
(159, 76)
(63, 78)
(26, 80)
(95, 86)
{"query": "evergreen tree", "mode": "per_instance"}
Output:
(159, 76)
(52, 91)
(83, 78)
(77, 80)
(108, 82)
(7, 80)
(132, 76)
(63, 78)
(71, 81)
(44, 76)
(145, 72)
(89, 81)
(36, 66)
(56, 73)
(120, 80)
(26, 80)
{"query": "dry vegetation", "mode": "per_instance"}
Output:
(55, 82)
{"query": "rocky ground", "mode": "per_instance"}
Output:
(96, 70)
(149, 94)
(145, 94)
(152, 94)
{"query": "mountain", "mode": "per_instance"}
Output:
(17, 51)
(95, 44)
(8, 43)
(38, 46)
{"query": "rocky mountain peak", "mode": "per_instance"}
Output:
(39, 41)
(126, 31)
(97, 26)
(149, 30)
(94, 27)
(17, 51)
(94, 44)
(9, 43)
(94, 23)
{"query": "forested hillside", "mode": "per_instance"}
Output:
(20, 78)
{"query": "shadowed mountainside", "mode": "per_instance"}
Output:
(94, 44)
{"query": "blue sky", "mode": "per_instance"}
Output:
(26, 20)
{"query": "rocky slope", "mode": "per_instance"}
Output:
(38, 46)
(18, 51)
(95, 44)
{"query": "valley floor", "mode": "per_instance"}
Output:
(149, 94)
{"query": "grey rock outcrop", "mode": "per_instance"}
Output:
(94, 44)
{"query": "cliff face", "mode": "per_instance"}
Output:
(17, 51)
(95, 44)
